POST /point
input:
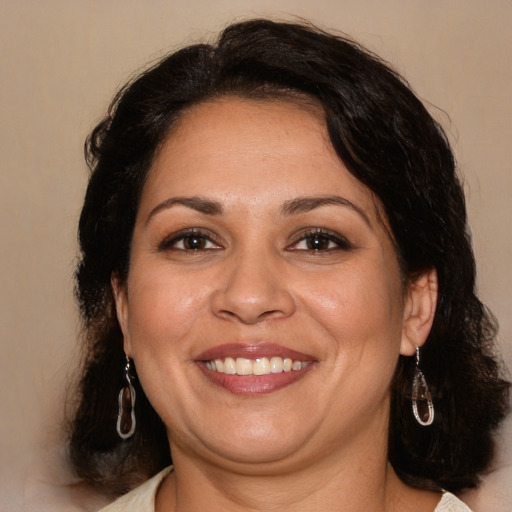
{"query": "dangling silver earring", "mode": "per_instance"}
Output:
(126, 402)
(422, 406)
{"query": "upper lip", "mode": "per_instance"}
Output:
(252, 351)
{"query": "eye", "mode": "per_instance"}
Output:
(193, 241)
(321, 241)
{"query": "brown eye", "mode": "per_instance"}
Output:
(189, 241)
(194, 243)
(319, 243)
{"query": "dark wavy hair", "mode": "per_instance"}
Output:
(386, 138)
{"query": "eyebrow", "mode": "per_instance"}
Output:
(292, 207)
(200, 204)
(306, 204)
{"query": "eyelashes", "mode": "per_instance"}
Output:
(190, 240)
(312, 241)
(320, 240)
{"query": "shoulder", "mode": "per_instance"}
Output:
(450, 503)
(140, 499)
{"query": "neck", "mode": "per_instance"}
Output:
(357, 478)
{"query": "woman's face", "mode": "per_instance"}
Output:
(255, 249)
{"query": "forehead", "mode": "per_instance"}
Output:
(246, 125)
(254, 145)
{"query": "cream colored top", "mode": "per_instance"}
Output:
(142, 499)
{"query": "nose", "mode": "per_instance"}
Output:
(254, 288)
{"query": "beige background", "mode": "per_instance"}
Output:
(61, 63)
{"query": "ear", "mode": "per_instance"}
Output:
(419, 311)
(121, 300)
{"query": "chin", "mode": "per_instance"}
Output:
(256, 442)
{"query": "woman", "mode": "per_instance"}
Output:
(277, 286)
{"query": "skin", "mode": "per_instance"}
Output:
(319, 443)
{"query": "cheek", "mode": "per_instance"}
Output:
(163, 308)
(165, 312)
(366, 303)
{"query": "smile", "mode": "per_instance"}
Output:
(254, 369)
(258, 366)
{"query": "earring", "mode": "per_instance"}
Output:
(422, 406)
(126, 402)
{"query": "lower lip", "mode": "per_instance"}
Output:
(254, 384)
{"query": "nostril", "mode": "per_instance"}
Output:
(253, 292)
(272, 313)
(248, 317)
(251, 312)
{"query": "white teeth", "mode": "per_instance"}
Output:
(243, 366)
(259, 366)
(276, 365)
(229, 366)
